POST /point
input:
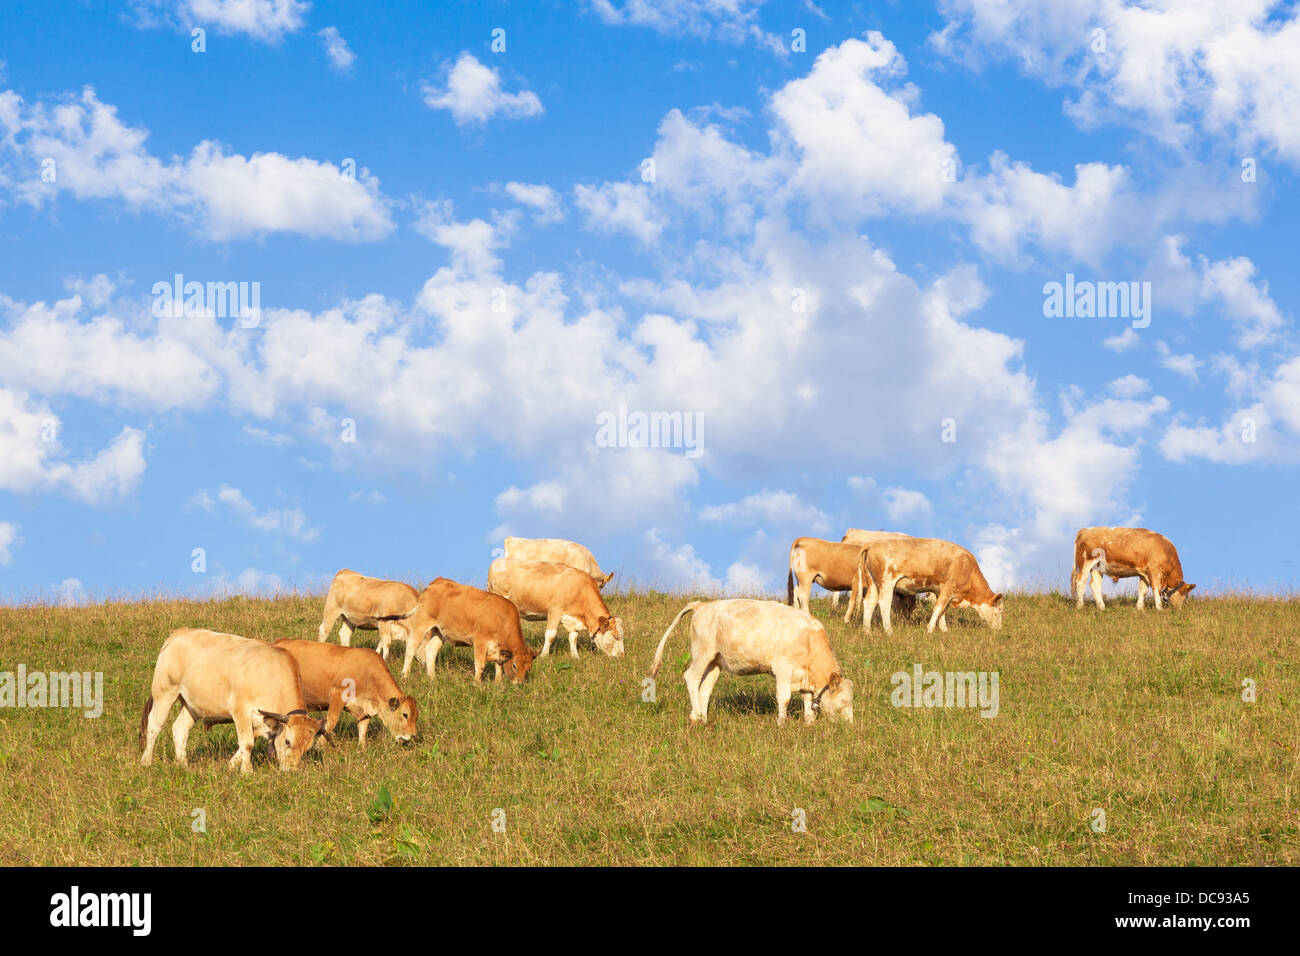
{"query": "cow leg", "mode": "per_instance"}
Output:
(1079, 580)
(363, 727)
(181, 733)
(243, 758)
(162, 705)
(1156, 584)
(707, 683)
(694, 676)
(940, 609)
(552, 626)
(332, 612)
(335, 711)
(835, 599)
(783, 690)
(345, 633)
(1095, 579)
(886, 602)
(1142, 593)
(431, 648)
(480, 660)
(573, 643)
(869, 605)
(854, 598)
(385, 638)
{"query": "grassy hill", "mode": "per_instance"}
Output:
(1139, 715)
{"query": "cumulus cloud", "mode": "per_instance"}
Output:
(779, 509)
(289, 522)
(473, 94)
(9, 541)
(337, 50)
(267, 21)
(730, 21)
(94, 155)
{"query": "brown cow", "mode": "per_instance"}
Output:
(562, 596)
(460, 614)
(947, 570)
(367, 604)
(558, 550)
(1128, 553)
(904, 603)
(836, 567)
(226, 677)
(354, 679)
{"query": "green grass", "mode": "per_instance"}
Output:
(1138, 714)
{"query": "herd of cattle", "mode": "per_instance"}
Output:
(270, 690)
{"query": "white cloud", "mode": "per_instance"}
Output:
(745, 580)
(290, 522)
(30, 453)
(1184, 365)
(1122, 341)
(473, 94)
(902, 504)
(472, 244)
(620, 207)
(676, 567)
(542, 199)
(1178, 70)
(71, 592)
(778, 509)
(10, 540)
(265, 20)
(227, 196)
(340, 54)
(1130, 386)
(731, 21)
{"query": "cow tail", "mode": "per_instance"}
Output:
(659, 651)
(144, 721)
(789, 587)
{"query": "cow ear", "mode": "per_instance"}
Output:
(609, 577)
(603, 624)
(394, 703)
(997, 600)
(1189, 588)
(271, 715)
(836, 679)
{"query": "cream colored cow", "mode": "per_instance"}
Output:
(947, 570)
(221, 677)
(367, 604)
(747, 636)
(1128, 553)
(560, 552)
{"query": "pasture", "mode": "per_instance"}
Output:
(1136, 714)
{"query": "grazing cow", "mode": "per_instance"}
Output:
(904, 603)
(1128, 553)
(354, 679)
(836, 567)
(223, 676)
(947, 570)
(560, 595)
(559, 551)
(747, 636)
(460, 614)
(367, 604)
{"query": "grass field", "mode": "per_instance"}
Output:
(1137, 714)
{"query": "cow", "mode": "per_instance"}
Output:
(749, 636)
(224, 676)
(947, 570)
(454, 613)
(904, 603)
(1128, 553)
(559, 551)
(560, 595)
(367, 604)
(355, 679)
(836, 567)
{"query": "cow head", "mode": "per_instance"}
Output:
(292, 735)
(991, 613)
(399, 715)
(835, 700)
(1175, 597)
(609, 636)
(519, 663)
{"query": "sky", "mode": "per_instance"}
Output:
(680, 280)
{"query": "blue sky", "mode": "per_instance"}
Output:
(462, 251)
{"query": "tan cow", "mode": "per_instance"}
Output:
(354, 679)
(836, 567)
(559, 551)
(453, 613)
(226, 677)
(367, 604)
(560, 595)
(904, 603)
(944, 569)
(1128, 553)
(748, 636)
